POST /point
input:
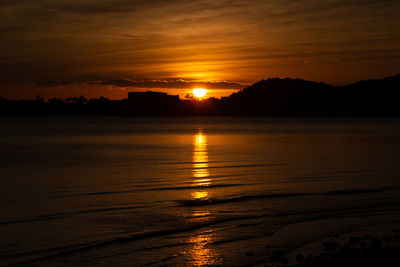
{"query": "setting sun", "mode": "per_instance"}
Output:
(199, 92)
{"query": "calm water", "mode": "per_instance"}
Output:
(188, 191)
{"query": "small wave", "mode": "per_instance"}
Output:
(358, 191)
(158, 189)
(349, 171)
(210, 201)
(191, 162)
(233, 166)
(141, 188)
(313, 178)
(194, 187)
(80, 248)
(132, 237)
(107, 193)
(225, 241)
(56, 216)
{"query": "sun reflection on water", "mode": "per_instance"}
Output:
(200, 169)
(200, 161)
(200, 194)
(200, 253)
(199, 248)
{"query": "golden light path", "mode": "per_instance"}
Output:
(198, 249)
(200, 160)
(199, 92)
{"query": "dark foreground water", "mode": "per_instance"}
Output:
(189, 191)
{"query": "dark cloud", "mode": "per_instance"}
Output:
(171, 84)
(53, 83)
(166, 84)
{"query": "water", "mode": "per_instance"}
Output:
(188, 191)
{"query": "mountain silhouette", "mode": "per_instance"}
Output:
(297, 97)
(282, 97)
(271, 97)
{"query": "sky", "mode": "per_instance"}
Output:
(109, 47)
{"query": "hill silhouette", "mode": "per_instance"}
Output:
(271, 97)
(297, 97)
(283, 97)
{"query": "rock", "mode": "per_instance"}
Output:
(278, 255)
(317, 261)
(376, 243)
(345, 256)
(299, 257)
(336, 236)
(308, 259)
(249, 253)
(363, 244)
(354, 240)
(329, 246)
(326, 254)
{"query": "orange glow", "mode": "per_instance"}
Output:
(200, 166)
(200, 160)
(199, 92)
(200, 195)
(200, 253)
(198, 248)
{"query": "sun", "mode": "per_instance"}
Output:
(199, 92)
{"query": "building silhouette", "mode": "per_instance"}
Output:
(153, 103)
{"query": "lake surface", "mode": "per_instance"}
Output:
(189, 191)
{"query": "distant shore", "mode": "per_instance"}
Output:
(271, 97)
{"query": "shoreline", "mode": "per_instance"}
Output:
(377, 245)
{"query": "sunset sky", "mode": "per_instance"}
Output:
(109, 47)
